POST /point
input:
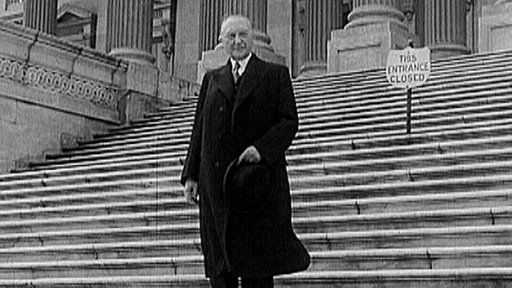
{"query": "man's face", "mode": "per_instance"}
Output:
(237, 38)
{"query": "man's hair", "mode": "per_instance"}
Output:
(231, 17)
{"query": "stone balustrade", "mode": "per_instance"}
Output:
(53, 92)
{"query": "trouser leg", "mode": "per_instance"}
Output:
(224, 280)
(253, 282)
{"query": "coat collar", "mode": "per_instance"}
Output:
(251, 78)
(254, 73)
(225, 80)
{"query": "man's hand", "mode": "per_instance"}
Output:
(250, 155)
(190, 192)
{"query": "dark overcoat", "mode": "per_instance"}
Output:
(263, 113)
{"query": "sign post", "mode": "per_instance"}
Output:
(408, 68)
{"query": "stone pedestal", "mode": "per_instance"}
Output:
(496, 27)
(365, 46)
(375, 27)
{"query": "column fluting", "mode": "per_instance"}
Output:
(445, 27)
(40, 15)
(132, 29)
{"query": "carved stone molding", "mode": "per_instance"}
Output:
(56, 82)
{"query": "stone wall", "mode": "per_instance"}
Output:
(52, 93)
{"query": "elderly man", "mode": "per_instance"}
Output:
(247, 112)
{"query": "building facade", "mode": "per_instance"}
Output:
(309, 36)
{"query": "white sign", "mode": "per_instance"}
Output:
(409, 67)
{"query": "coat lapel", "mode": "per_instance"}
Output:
(252, 77)
(225, 81)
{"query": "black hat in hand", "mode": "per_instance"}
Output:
(247, 186)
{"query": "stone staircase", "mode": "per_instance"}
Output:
(375, 206)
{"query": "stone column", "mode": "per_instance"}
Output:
(40, 15)
(322, 16)
(445, 27)
(374, 28)
(256, 11)
(375, 11)
(131, 29)
(212, 12)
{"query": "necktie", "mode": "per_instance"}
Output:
(236, 73)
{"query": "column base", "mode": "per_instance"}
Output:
(133, 55)
(313, 69)
(216, 58)
(495, 31)
(447, 50)
(365, 47)
(374, 14)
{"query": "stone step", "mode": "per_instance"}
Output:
(185, 225)
(98, 187)
(397, 137)
(142, 266)
(471, 83)
(377, 76)
(388, 111)
(304, 191)
(454, 278)
(485, 256)
(495, 277)
(312, 175)
(423, 108)
(94, 203)
(452, 152)
(88, 204)
(321, 143)
(473, 147)
(316, 139)
(356, 260)
(104, 251)
(346, 241)
(360, 114)
(363, 155)
(352, 101)
(178, 281)
(328, 174)
(325, 187)
(450, 133)
(94, 260)
(307, 206)
(331, 84)
(115, 200)
(450, 236)
(369, 130)
(148, 160)
(164, 168)
(329, 163)
(374, 130)
(174, 205)
(360, 101)
(58, 161)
